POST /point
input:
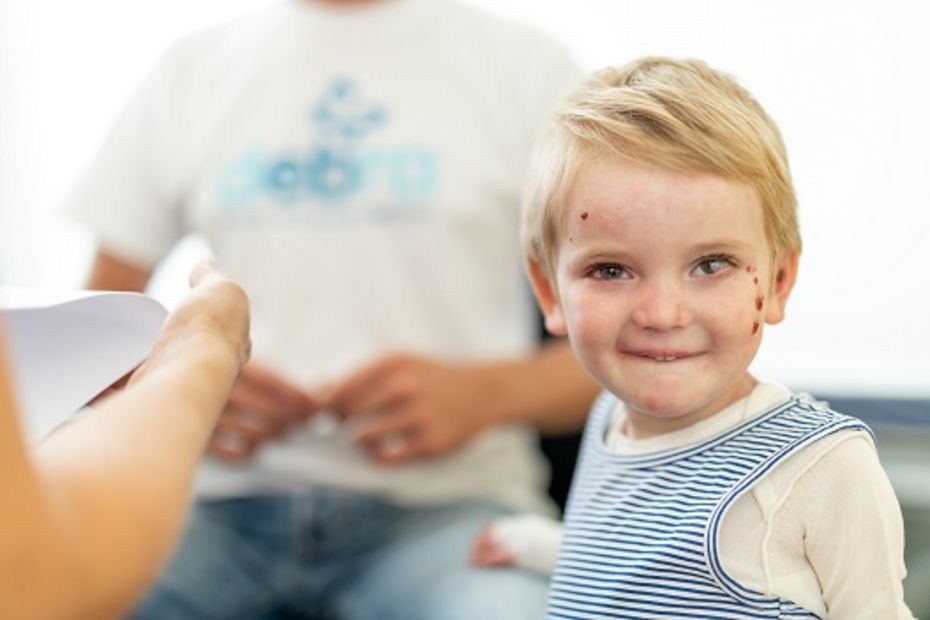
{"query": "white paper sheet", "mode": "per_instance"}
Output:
(67, 347)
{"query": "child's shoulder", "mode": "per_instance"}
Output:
(847, 454)
(811, 421)
(838, 460)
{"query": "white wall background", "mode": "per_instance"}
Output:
(847, 80)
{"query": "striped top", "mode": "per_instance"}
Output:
(641, 531)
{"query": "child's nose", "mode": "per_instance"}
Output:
(662, 306)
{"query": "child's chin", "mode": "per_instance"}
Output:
(660, 407)
(667, 398)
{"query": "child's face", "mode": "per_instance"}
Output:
(663, 282)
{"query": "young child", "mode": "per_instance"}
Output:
(661, 235)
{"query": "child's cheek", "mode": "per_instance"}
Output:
(576, 308)
(592, 322)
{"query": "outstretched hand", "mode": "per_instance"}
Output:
(215, 313)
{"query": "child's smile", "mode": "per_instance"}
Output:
(663, 282)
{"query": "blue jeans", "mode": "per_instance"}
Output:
(330, 554)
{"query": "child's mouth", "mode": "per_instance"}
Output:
(662, 356)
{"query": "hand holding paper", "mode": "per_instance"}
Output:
(117, 479)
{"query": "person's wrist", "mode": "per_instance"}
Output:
(219, 347)
(196, 347)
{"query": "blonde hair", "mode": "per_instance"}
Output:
(677, 114)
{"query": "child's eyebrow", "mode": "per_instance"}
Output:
(718, 245)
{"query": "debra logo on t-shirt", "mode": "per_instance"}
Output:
(336, 167)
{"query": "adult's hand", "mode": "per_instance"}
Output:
(262, 406)
(215, 313)
(405, 407)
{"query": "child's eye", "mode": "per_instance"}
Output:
(714, 264)
(608, 271)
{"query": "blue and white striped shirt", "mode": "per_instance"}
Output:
(641, 531)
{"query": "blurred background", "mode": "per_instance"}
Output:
(846, 80)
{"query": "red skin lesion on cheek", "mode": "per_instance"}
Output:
(584, 215)
(758, 301)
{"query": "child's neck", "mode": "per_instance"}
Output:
(642, 425)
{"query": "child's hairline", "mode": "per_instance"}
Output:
(544, 251)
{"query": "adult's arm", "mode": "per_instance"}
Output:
(549, 390)
(92, 512)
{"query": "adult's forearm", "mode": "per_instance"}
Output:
(549, 390)
(27, 536)
(114, 487)
(121, 476)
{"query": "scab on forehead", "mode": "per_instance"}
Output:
(584, 215)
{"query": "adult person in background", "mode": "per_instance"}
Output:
(357, 167)
(90, 513)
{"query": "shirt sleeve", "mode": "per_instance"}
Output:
(130, 195)
(854, 532)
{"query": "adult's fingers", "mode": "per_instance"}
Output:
(238, 435)
(257, 425)
(230, 446)
(204, 272)
(401, 447)
(248, 398)
(261, 406)
(374, 431)
(266, 389)
(380, 385)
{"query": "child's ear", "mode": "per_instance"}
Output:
(548, 298)
(785, 276)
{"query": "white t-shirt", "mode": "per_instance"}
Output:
(771, 540)
(358, 170)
